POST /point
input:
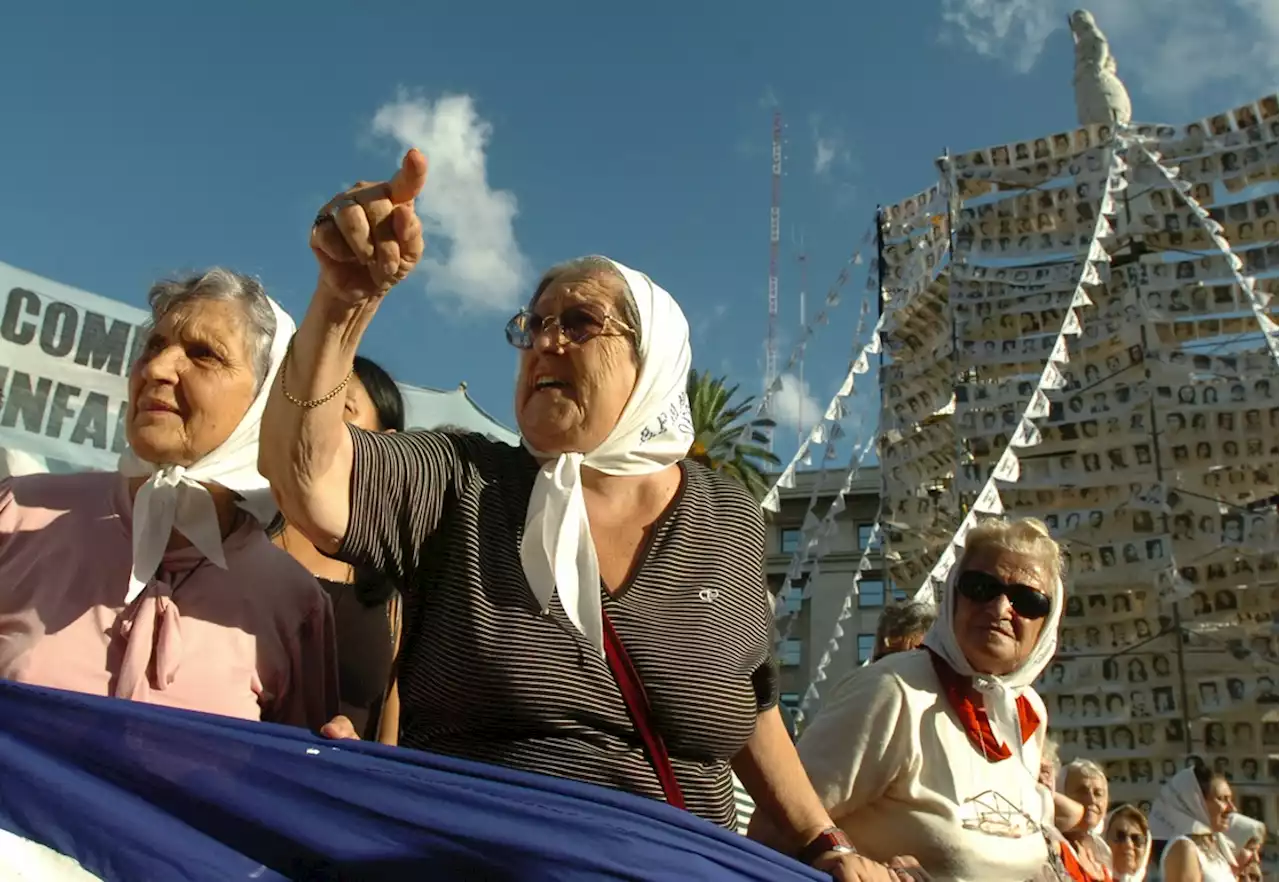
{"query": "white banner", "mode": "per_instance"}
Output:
(64, 363)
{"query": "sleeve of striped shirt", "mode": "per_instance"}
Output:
(400, 484)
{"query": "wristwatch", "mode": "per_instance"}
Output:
(829, 840)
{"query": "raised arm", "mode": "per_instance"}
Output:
(366, 240)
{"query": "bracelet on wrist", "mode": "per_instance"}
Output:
(830, 840)
(315, 402)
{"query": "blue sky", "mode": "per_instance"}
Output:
(140, 139)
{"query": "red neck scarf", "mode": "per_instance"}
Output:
(967, 703)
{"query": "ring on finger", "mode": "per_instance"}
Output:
(327, 213)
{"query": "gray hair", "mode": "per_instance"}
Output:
(592, 265)
(904, 619)
(1083, 768)
(226, 285)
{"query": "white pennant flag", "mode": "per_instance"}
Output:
(1051, 378)
(1080, 299)
(1071, 325)
(988, 501)
(1007, 469)
(1027, 434)
(1059, 353)
(1038, 409)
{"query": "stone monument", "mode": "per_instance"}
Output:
(1100, 96)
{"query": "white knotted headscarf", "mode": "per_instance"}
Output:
(1179, 810)
(654, 431)
(173, 498)
(1000, 692)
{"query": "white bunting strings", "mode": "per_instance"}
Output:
(1007, 469)
(812, 693)
(829, 426)
(815, 536)
(1247, 283)
(823, 317)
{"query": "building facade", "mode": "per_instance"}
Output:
(807, 633)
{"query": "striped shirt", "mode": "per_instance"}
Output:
(485, 676)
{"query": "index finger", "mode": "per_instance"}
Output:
(410, 179)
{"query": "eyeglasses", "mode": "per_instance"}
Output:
(982, 588)
(576, 325)
(1120, 837)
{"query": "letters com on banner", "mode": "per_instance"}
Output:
(64, 362)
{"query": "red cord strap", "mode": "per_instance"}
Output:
(641, 714)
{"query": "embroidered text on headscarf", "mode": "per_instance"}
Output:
(174, 499)
(654, 431)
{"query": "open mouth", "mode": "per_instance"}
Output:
(544, 383)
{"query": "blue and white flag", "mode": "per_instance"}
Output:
(102, 789)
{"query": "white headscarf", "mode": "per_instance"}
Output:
(173, 498)
(1000, 692)
(654, 431)
(1179, 810)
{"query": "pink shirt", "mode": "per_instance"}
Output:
(254, 641)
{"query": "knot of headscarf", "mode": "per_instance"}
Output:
(654, 431)
(174, 497)
(153, 633)
(1001, 693)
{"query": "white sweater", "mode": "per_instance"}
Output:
(893, 766)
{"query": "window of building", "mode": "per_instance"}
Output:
(789, 700)
(864, 536)
(789, 653)
(899, 595)
(871, 593)
(790, 541)
(793, 597)
(866, 645)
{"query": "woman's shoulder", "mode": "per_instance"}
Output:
(44, 497)
(720, 498)
(254, 559)
(468, 451)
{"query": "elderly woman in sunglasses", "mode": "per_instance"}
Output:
(569, 605)
(935, 753)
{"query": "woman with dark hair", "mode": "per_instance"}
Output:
(365, 605)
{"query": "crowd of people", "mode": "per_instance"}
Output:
(592, 605)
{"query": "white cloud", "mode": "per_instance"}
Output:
(1165, 49)
(473, 260)
(793, 404)
(824, 155)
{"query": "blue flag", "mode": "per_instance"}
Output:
(136, 792)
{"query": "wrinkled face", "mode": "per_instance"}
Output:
(1091, 793)
(358, 408)
(569, 396)
(192, 383)
(1219, 805)
(994, 638)
(1127, 842)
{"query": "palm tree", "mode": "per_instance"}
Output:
(723, 442)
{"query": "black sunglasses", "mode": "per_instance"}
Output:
(1135, 839)
(983, 588)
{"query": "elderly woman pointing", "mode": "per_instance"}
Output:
(567, 607)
